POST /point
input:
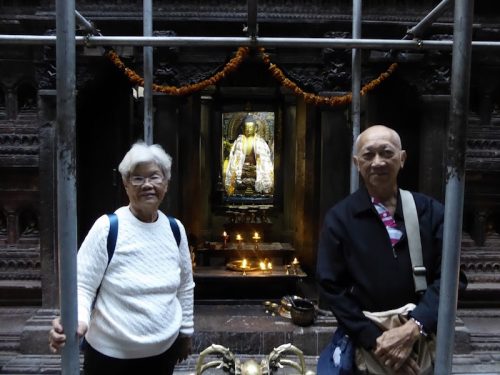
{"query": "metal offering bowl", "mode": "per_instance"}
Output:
(236, 265)
(303, 312)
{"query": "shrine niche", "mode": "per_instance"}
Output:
(248, 157)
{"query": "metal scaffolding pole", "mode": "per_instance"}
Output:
(202, 41)
(66, 181)
(416, 31)
(355, 88)
(148, 72)
(459, 106)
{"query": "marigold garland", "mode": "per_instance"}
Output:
(233, 64)
(136, 79)
(309, 98)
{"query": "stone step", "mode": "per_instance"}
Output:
(9, 343)
(485, 342)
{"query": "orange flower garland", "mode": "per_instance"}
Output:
(278, 74)
(233, 64)
(136, 79)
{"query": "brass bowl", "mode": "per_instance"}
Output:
(236, 265)
(303, 312)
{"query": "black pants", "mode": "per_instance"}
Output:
(96, 363)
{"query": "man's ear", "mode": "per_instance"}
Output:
(355, 161)
(403, 158)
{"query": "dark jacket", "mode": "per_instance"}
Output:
(358, 269)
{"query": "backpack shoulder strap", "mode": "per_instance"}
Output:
(112, 235)
(175, 229)
(110, 246)
(413, 233)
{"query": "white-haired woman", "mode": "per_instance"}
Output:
(142, 319)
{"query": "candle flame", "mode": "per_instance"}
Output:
(269, 266)
(262, 266)
(244, 263)
(238, 237)
(224, 234)
(295, 261)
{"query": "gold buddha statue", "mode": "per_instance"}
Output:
(250, 169)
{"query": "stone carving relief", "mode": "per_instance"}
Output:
(19, 244)
(19, 144)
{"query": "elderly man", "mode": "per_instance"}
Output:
(364, 261)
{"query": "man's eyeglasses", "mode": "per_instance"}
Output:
(155, 179)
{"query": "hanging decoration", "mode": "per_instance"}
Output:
(234, 63)
(136, 79)
(309, 98)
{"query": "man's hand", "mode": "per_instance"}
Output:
(394, 348)
(184, 347)
(57, 338)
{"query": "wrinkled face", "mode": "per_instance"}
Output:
(249, 129)
(146, 186)
(379, 157)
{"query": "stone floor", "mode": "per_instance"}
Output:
(250, 333)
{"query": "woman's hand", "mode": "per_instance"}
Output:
(184, 347)
(57, 338)
(394, 347)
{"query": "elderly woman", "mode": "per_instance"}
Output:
(143, 312)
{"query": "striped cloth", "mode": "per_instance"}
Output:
(390, 224)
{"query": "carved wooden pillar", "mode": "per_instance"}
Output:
(433, 138)
(206, 170)
(191, 190)
(34, 335)
(166, 133)
(336, 139)
(288, 159)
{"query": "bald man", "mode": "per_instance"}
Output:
(363, 257)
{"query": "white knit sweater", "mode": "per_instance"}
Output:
(146, 294)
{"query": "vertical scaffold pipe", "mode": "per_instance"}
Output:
(355, 88)
(66, 181)
(148, 73)
(459, 108)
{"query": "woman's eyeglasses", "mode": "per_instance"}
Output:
(155, 179)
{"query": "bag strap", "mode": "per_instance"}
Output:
(112, 235)
(175, 229)
(413, 233)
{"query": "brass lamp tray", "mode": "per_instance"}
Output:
(236, 265)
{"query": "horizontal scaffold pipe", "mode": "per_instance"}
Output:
(94, 41)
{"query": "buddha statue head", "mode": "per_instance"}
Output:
(249, 126)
